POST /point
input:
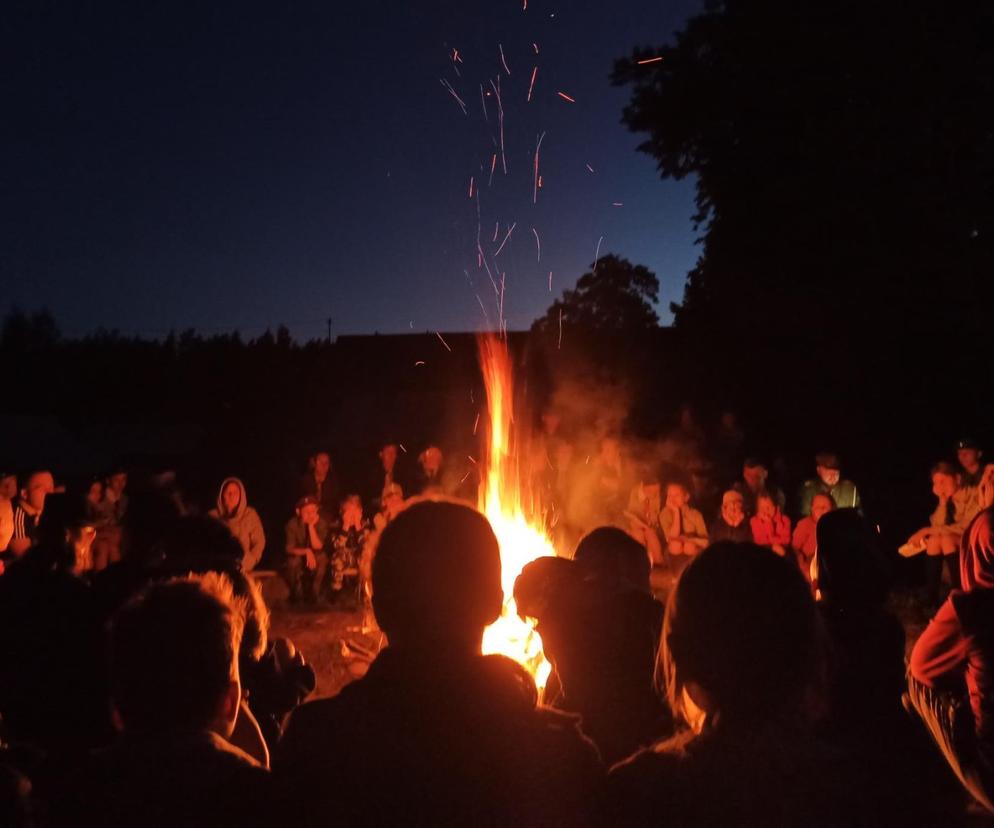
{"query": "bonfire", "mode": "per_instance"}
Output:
(502, 499)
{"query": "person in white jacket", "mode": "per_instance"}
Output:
(242, 521)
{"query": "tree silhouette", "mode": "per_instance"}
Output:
(613, 296)
(844, 158)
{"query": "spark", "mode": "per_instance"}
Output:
(493, 166)
(496, 228)
(560, 345)
(471, 459)
(455, 56)
(485, 314)
(532, 84)
(566, 97)
(550, 281)
(511, 230)
(536, 185)
(465, 476)
(597, 253)
(402, 448)
(500, 121)
(483, 101)
(535, 47)
(442, 340)
(452, 92)
(617, 204)
(591, 169)
(538, 244)
(649, 60)
(476, 423)
(419, 362)
(524, 7)
(502, 60)
(471, 186)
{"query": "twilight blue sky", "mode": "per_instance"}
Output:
(222, 165)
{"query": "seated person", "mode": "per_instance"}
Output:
(386, 472)
(176, 693)
(321, 484)
(603, 671)
(951, 683)
(347, 542)
(28, 510)
(432, 474)
(829, 481)
(458, 735)
(968, 456)
(805, 538)
(307, 535)
(234, 512)
(754, 482)
(644, 504)
(770, 527)
(743, 663)
(731, 523)
(957, 506)
(683, 527)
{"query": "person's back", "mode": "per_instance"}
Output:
(742, 658)
(174, 669)
(600, 628)
(436, 733)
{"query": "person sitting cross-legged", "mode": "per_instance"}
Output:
(176, 694)
(683, 526)
(436, 733)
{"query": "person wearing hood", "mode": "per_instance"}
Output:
(951, 675)
(242, 521)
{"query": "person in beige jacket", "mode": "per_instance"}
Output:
(242, 521)
(683, 526)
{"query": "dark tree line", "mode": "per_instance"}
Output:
(844, 158)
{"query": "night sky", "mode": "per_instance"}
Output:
(241, 166)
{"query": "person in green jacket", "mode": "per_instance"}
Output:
(829, 481)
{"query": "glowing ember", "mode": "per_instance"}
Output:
(521, 540)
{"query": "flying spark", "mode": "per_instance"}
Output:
(550, 281)
(471, 186)
(538, 244)
(566, 97)
(532, 84)
(504, 62)
(649, 60)
(597, 253)
(537, 184)
(591, 169)
(511, 230)
(442, 340)
(617, 204)
(452, 92)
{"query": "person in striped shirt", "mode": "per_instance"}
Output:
(27, 511)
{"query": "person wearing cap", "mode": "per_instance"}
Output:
(307, 534)
(969, 455)
(829, 481)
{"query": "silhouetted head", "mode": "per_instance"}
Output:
(65, 533)
(436, 576)
(200, 544)
(612, 555)
(851, 569)
(174, 659)
(741, 637)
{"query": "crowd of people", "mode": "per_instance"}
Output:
(139, 684)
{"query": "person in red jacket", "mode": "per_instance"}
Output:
(770, 526)
(805, 538)
(951, 675)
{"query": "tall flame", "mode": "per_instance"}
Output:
(521, 540)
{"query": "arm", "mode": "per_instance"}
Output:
(257, 542)
(781, 528)
(941, 649)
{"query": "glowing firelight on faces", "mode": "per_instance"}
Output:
(501, 501)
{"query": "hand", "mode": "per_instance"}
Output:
(918, 538)
(312, 562)
(779, 550)
(311, 519)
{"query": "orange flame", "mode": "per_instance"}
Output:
(521, 540)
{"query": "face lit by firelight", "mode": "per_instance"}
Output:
(231, 496)
(821, 505)
(322, 465)
(676, 496)
(829, 477)
(732, 510)
(943, 485)
(766, 508)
